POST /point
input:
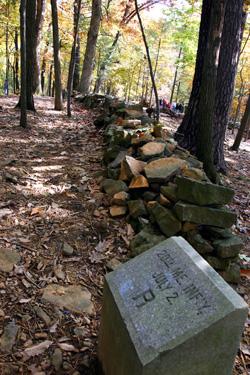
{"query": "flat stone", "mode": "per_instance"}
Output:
(137, 208)
(8, 338)
(168, 312)
(116, 211)
(131, 167)
(205, 215)
(170, 192)
(8, 258)
(167, 221)
(139, 182)
(120, 199)
(71, 297)
(162, 169)
(152, 149)
(202, 193)
(67, 249)
(194, 173)
(112, 187)
(228, 247)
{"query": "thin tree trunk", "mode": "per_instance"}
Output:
(7, 55)
(57, 64)
(205, 111)
(50, 80)
(177, 93)
(245, 123)
(175, 76)
(16, 63)
(23, 97)
(149, 63)
(89, 56)
(40, 13)
(155, 70)
(227, 69)
(72, 60)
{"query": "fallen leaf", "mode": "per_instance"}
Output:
(36, 349)
(68, 347)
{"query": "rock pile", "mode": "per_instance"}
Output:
(164, 191)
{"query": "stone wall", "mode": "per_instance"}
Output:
(164, 191)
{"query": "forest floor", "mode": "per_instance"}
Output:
(55, 218)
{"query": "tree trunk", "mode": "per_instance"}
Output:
(40, 12)
(57, 64)
(186, 133)
(89, 56)
(245, 123)
(205, 110)
(16, 63)
(227, 69)
(50, 80)
(175, 77)
(23, 97)
(155, 70)
(149, 63)
(76, 79)
(7, 55)
(72, 59)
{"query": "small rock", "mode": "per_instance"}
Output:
(42, 315)
(57, 359)
(113, 263)
(165, 218)
(152, 149)
(144, 240)
(217, 263)
(139, 182)
(232, 273)
(67, 249)
(120, 199)
(131, 167)
(164, 201)
(170, 192)
(71, 297)
(162, 169)
(194, 173)
(199, 243)
(80, 331)
(8, 258)
(112, 187)
(116, 211)
(59, 273)
(149, 196)
(137, 208)
(229, 247)
(41, 335)
(8, 338)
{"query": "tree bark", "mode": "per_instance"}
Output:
(227, 69)
(16, 63)
(40, 12)
(149, 63)
(57, 64)
(23, 97)
(7, 55)
(205, 110)
(72, 60)
(89, 55)
(245, 123)
(76, 78)
(186, 133)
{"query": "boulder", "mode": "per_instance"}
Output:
(139, 182)
(202, 193)
(144, 240)
(116, 211)
(222, 218)
(137, 208)
(112, 187)
(162, 170)
(152, 149)
(166, 220)
(228, 247)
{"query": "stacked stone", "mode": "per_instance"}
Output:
(164, 192)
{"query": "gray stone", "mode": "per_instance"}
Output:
(202, 193)
(67, 249)
(170, 192)
(117, 162)
(137, 208)
(152, 149)
(71, 297)
(111, 153)
(205, 215)
(229, 247)
(217, 233)
(8, 258)
(218, 263)
(144, 240)
(149, 196)
(8, 338)
(162, 169)
(232, 273)
(57, 359)
(165, 218)
(42, 315)
(112, 187)
(120, 199)
(199, 243)
(167, 312)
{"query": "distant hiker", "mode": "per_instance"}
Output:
(6, 87)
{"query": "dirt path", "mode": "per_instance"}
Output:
(50, 199)
(50, 206)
